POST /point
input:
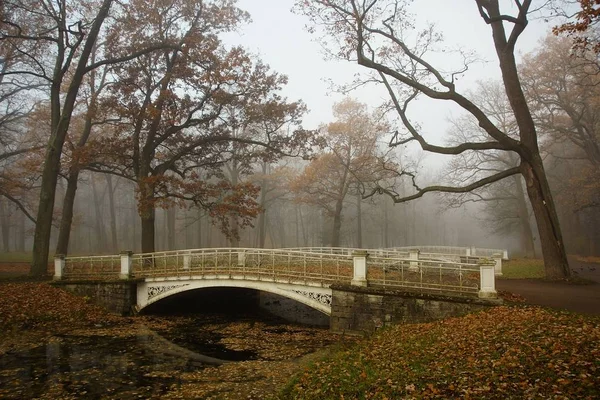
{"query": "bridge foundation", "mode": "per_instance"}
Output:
(119, 297)
(358, 310)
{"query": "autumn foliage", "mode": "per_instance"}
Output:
(582, 30)
(506, 352)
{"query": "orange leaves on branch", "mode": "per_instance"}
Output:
(582, 29)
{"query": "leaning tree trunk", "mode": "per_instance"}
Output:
(553, 249)
(532, 168)
(556, 264)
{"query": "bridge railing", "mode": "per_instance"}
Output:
(245, 263)
(453, 252)
(347, 251)
(425, 274)
(88, 267)
(457, 250)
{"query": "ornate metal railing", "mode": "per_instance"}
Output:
(458, 254)
(456, 250)
(347, 250)
(424, 275)
(92, 267)
(394, 270)
(245, 263)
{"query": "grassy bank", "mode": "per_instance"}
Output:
(16, 257)
(505, 352)
(523, 268)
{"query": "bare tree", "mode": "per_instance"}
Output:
(377, 34)
(505, 204)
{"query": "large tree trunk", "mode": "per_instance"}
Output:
(538, 190)
(64, 232)
(61, 120)
(553, 249)
(43, 226)
(147, 219)
(147, 211)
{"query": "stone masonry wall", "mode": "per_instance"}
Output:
(359, 310)
(117, 297)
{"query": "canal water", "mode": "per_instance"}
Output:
(201, 347)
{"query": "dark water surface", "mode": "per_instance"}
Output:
(159, 353)
(106, 366)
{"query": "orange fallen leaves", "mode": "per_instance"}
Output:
(504, 352)
(41, 306)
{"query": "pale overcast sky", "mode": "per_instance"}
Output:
(279, 37)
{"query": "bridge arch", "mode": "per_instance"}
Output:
(316, 297)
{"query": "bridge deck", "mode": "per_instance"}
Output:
(389, 269)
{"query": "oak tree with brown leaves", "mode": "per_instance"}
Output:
(56, 39)
(188, 110)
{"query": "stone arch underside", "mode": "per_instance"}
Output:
(316, 297)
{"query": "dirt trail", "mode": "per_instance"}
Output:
(583, 298)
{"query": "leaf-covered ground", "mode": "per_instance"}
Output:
(111, 361)
(39, 309)
(503, 353)
(506, 352)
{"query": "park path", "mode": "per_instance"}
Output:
(582, 298)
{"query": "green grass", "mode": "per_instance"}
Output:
(523, 268)
(15, 257)
(18, 257)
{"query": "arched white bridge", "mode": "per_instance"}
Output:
(304, 275)
(317, 297)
